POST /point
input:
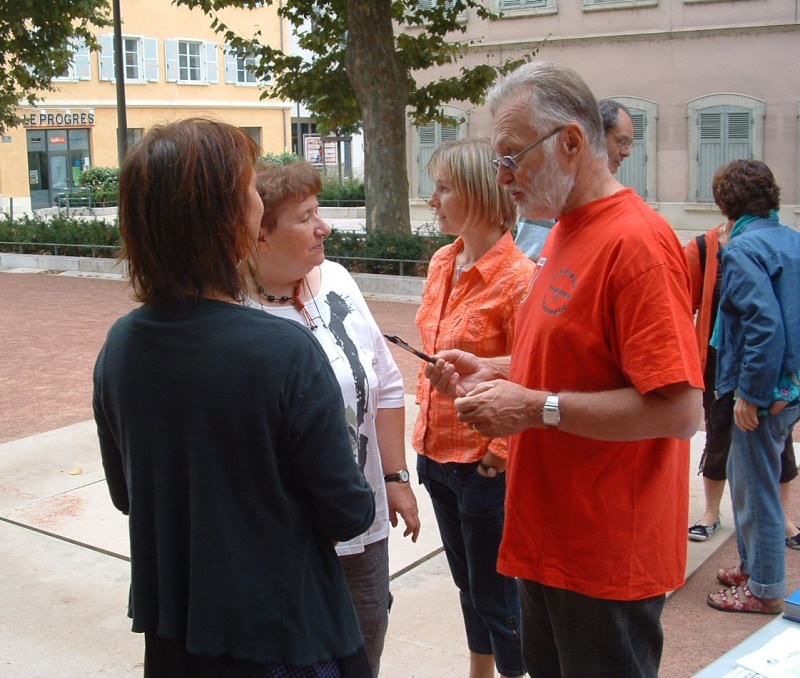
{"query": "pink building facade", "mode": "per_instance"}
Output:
(707, 81)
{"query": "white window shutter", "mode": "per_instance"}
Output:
(107, 58)
(82, 62)
(171, 56)
(150, 49)
(212, 62)
(230, 66)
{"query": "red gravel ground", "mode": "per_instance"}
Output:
(51, 328)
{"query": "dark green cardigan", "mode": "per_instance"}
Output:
(223, 438)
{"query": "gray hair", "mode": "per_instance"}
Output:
(557, 95)
(609, 112)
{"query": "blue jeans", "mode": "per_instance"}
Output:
(569, 635)
(754, 469)
(470, 512)
(367, 575)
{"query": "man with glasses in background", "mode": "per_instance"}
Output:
(599, 397)
(618, 130)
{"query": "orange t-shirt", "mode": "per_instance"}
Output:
(609, 308)
(478, 316)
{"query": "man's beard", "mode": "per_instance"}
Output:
(547, 190)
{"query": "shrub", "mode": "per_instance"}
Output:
(100, 178)
(77, 235)
(345, 193)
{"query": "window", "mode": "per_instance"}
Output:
(722, 127)
(140, 59)
(254, 132)
(520, 7)
(191, 61)
(617, 4)
(429, 138)
(639, 169)
(239, 68)
(133, 136)
(80, 67)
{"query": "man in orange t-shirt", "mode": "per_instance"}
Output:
(600, 395)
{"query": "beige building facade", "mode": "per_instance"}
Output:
(175, 67)
(707, 81)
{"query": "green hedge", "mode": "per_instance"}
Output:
(76, 236)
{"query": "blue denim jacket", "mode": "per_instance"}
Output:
(759, 310)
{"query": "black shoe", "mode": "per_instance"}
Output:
(794, 542)
(700, 532)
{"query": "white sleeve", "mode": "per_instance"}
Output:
(391, 393)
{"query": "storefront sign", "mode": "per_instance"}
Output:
(58, 119)
(58, 140)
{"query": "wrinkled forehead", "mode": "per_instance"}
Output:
(513, 122)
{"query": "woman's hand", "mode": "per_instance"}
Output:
(401, 500)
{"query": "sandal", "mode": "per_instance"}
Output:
(731, 600)
(732, 576)
(794, 542)
(698, 532)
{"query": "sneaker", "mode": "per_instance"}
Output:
(794, 542)
(698, 532)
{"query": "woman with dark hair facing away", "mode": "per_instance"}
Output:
(290, 278)
(757, 337)
(471, 297)
(217, 436)
(702, 255)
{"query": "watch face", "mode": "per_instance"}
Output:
(404, 476)
(491, 471)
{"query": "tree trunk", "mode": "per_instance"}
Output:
(381, 86)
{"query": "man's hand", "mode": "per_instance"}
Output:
(500, 408)
(745, 414)
(457, 372)
(402, 500)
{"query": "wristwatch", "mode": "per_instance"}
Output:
(551, 414)
(401, 476)
(491, 471)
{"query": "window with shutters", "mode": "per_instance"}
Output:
(639, 169)
(589, 5)
(429, 138)
(80, 66)
(509, 8)
(191, 61)
(140, 59)
(240, 68)
(723, 127)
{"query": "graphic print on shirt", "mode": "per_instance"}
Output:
(559, 292)
(339, 311)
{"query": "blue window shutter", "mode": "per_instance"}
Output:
(633, 171)
(171, 55)
(107, 58)
(230, 66)
(212, 62)
(150, 47)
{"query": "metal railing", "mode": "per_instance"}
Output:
(373, 265)
(109, 251)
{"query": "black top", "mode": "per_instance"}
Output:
(223, 438)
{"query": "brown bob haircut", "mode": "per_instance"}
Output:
(745, 187)
(466, 165)
(183, 210)
(281, 184)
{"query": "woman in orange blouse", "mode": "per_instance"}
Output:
(473, 290)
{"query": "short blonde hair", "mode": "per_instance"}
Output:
(466, 165)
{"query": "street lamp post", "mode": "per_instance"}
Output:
(119, 74)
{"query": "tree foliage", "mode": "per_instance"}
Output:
(37, 41)
(360, 72)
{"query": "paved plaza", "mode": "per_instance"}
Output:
(63, 566)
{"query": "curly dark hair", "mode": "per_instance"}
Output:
(745, 187)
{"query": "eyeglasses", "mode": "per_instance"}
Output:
(510, 161)
(623, 142)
